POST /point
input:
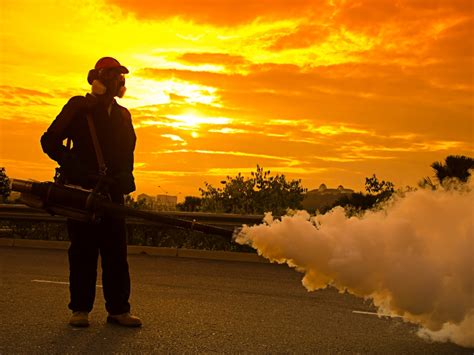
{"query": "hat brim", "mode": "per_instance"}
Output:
(123, 70)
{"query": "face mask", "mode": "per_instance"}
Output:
(121, 89)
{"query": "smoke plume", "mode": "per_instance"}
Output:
(414, 258)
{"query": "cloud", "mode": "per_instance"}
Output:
(288, 161)
(221, 13)
(416, 145)
(15, 96)
(302, 37)
(228, 130)
(177, 98)
(357, 79)
(230, 61)
(376, 16)
(336, 130)
(356, 92)
(175, 138)
(450, 41)
(350, 13)
(11, 92)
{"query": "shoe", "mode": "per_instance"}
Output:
(79, 319)
(124, 319)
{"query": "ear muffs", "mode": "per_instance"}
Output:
(93, 75)
(98, 88)
(93, 79)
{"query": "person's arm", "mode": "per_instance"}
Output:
(52, 139)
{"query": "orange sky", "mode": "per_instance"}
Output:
(323, 90)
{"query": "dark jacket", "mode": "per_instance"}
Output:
(115, 134)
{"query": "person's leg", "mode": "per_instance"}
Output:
(115, 274)
(83, 254)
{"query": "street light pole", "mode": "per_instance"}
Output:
(166, 192)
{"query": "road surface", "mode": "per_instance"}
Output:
(194, 305)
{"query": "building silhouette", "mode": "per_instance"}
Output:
(323, 198)
(158, 202)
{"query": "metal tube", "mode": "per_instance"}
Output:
(22, 185)
(59, 199)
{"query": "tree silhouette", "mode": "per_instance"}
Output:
(377, 193)
(455, 166)
(258, 193)
(374, 186)
(4, 185)
(190, 204)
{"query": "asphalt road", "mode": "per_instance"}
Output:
(196, 306)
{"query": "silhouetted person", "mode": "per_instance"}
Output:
(113, 128)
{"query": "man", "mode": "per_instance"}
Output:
(103, 144)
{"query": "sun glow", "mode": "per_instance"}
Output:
(174, 138)
(190, 120)
(147, 92)
(168, 60)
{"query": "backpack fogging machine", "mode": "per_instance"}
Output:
(91, 206)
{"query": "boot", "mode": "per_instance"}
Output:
(79, 319)
(124, 319)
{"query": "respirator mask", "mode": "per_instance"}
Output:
(107, 80)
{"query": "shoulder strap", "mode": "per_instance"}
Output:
(98, 151)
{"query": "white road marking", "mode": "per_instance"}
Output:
(56, 282)
(376, 314)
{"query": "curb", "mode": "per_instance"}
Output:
(6, 242)
(42, 244)
(140, 250)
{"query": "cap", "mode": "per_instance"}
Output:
(109, 62)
